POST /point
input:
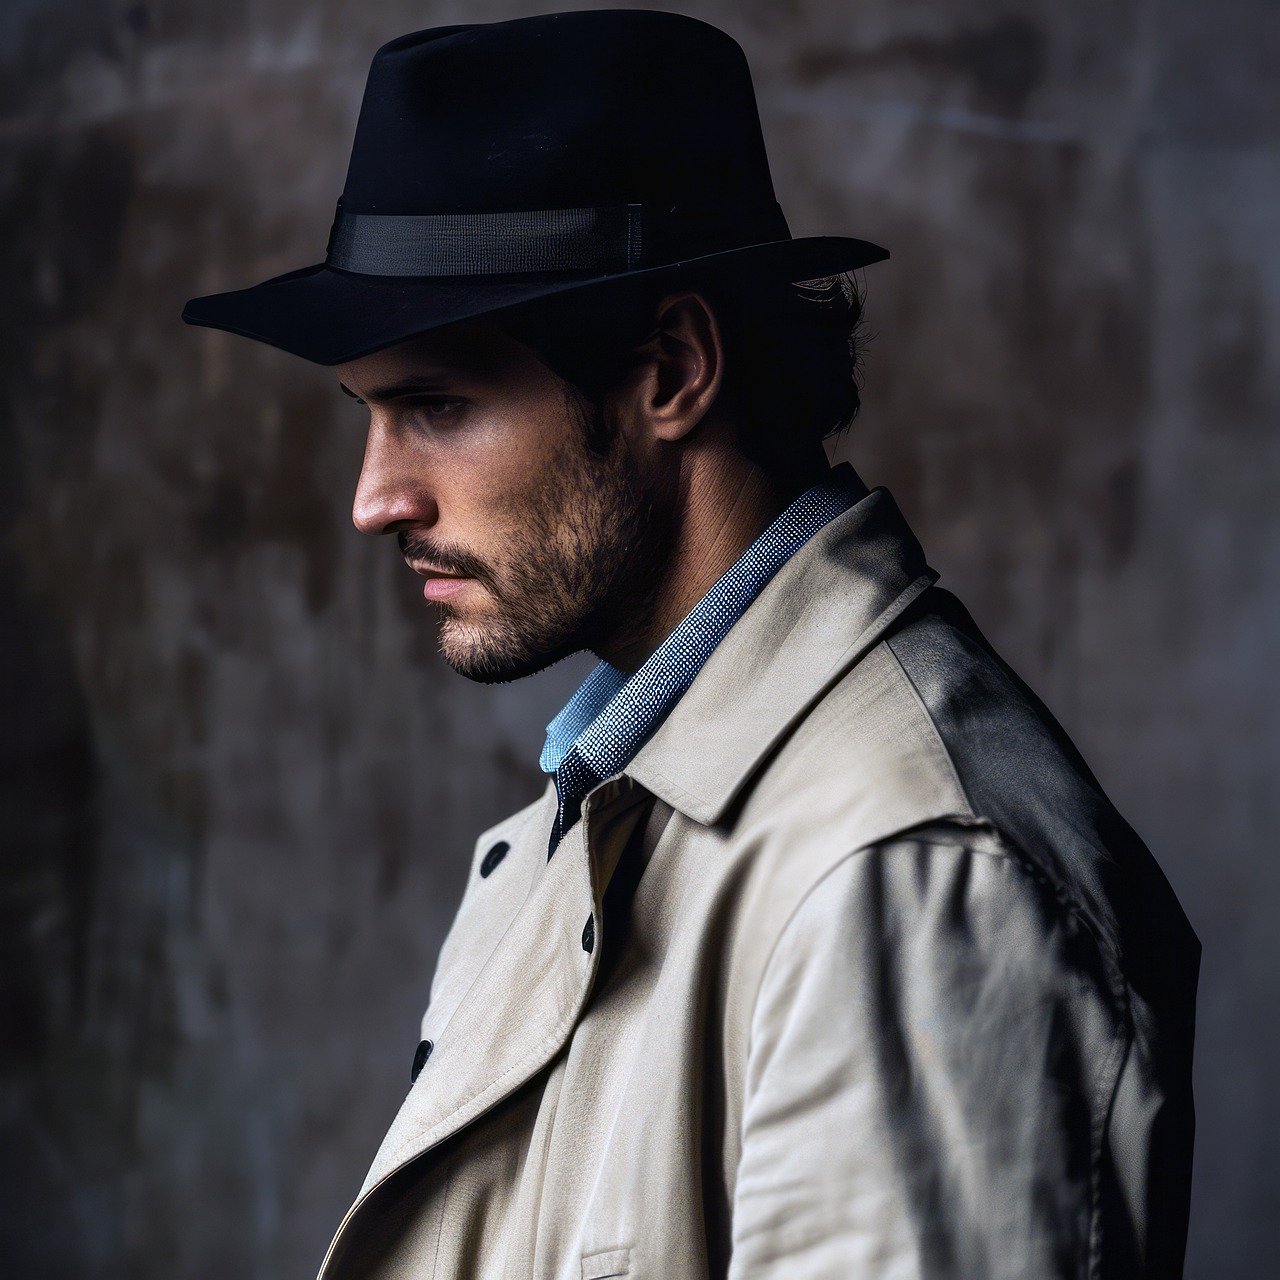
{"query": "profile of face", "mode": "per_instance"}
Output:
(539, 521)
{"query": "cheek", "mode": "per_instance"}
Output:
(508, 485)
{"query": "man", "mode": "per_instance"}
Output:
(822, 954)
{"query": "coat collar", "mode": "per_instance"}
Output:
(818, 615)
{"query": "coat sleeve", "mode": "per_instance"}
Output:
(933, 1050)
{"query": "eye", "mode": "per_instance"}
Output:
(436, 406)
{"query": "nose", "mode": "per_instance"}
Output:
(391, 491)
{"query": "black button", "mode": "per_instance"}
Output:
(589, 933)
(420, 1059)
(493, 857)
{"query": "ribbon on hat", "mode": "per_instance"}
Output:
(603, 240)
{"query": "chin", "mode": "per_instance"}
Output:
(488, 656)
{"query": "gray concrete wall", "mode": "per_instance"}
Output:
(239, 787)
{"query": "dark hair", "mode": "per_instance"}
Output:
(792, 352)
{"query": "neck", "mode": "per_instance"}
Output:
(724, 501)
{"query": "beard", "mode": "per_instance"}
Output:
(587, 557)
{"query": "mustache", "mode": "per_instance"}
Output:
(417, 546)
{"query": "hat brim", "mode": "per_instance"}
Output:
(330, 316)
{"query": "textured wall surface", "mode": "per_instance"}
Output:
(239, 788)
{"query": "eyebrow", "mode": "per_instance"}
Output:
(394, 390)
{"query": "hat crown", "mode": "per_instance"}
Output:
(590, 108)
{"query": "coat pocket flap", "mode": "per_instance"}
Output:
(600, 1266)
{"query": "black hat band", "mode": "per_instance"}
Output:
(474, 244)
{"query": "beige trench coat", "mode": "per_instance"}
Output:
(853, 972)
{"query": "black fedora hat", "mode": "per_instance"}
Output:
(498, 163)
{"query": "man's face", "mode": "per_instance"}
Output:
(532, 545)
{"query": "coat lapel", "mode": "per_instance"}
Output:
(527, 997)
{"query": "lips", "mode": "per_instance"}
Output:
(442, 586)
(439, 584)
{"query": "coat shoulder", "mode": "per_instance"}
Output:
(930, 789)
(932, 725)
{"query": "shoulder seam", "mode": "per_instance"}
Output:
(1119, 988)
(1030, 865)
(1010, 852)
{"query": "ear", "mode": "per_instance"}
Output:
(680, 366)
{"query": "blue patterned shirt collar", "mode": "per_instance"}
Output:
(611, 715)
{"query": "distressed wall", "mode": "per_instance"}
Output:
(239, 787)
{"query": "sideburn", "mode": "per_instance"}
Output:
(598, 432)
(629, 562)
